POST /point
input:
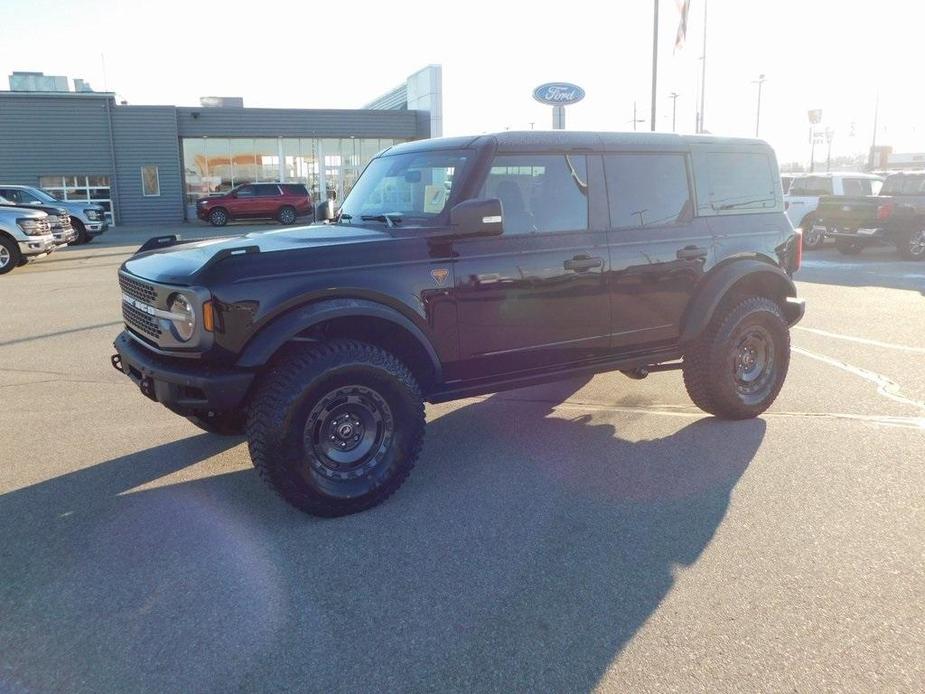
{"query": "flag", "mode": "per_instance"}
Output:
(683, 7)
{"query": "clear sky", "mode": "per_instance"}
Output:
(815, 54)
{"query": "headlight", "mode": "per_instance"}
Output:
(93, 215)
(33, 227)
(184, 318)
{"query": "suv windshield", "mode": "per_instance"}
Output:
(43, 195)
(399, 187)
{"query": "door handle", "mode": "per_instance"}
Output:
(692, 253)
(581, 263)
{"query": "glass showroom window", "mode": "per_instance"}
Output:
(94, 189)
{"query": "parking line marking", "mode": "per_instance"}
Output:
(862, 340)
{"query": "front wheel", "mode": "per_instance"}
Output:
(286, 215)
(218, 217)
(737, 367)
(912, 246)
(848, 247)
(335, 428)
(82, 236)
(812, 238)
(9, 255)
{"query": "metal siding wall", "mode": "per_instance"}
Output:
(147, 135)
(271, 122)
(52, 136)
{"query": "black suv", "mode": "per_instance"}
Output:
(461, 266)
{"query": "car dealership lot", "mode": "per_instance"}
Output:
(603, 533)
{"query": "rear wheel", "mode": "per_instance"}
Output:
(218, 217)
(812, 239)
(10, 256)
(335, 428)
(286, 215)
(737, 367)
(848, 247)
(912, 246)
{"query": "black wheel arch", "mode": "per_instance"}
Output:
(360, 319)
(745, 276)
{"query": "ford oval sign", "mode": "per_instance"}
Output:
(558, 93)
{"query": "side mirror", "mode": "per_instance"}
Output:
(479, 217)
(328, 213)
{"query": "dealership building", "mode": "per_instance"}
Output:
(151, 163)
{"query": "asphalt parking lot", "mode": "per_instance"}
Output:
(587, 535)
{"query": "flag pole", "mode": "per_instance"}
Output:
(654, 63)
(703, 67)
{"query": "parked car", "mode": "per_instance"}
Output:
(549, 256)
(88, 219)
(802, 201)
(284, 202)
(58, 219)
(895, 217)
(25, 235)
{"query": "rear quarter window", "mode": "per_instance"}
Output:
(735, 180)
(295, 189)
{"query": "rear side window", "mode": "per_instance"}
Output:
(295, 189)
(856, 186)
(647, 190)
(735, 181)
(266, 190)
(812, 185)
(540, 192)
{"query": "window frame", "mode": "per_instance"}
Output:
(157, 180)
(688, 172)
(544, 153)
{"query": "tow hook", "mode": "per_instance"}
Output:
(116, 360)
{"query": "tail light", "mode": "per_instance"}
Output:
(885, 211)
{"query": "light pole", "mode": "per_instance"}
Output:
(636, 119)
(759, 82)
(674, 108)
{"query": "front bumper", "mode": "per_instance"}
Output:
(95, 228)
(64, 236)
(37, 245)
(185, 386)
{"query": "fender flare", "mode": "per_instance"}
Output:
(264, 344)
(718, 284)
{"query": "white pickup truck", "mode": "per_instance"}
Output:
(802, 200)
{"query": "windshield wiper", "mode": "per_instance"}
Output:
(390, 220)
(344, 216)
(733, 205)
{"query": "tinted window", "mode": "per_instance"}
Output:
(540, 192)
(295, 189)
(266, 190)
(18, 196)
(245, 192)
(902, 184)
(812, 185)
(735, 181)
(647, 190)
(856, 186)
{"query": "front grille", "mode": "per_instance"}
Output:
(42, 227)
(140, 321)
(142, 291)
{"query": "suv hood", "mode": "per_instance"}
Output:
(179, 263)
(12, 213)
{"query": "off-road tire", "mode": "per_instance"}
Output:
(711, 361)
(11, 256)
(291, 416)
(286, 215)
(912, 245)
(811, 240)
(848, 247)
(82, 236)
(218, 217)
(226, 424)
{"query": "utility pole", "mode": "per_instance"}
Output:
(873, 144)
(703, 67)
(636, 119)
(674, 109)
(654, 64)
(829, 136)
(759, 82)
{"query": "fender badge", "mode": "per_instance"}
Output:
(440, 275)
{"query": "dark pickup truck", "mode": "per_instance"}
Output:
(895, 217)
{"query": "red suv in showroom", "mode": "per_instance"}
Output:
(284, 202)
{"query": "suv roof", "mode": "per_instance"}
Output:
(534, 140)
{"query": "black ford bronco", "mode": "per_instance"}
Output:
(463, 266)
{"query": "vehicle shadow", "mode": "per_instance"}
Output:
(874, 267)
(524, 554)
